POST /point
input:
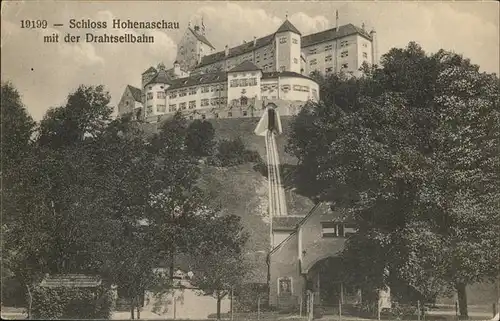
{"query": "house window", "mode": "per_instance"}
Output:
(149, 110)
(329, 229)
(150, 95)
(216, 115)
(234, 82)
(333, 229)
(160, 95)
(243, 83)
(282, 68)
(205, 89)
(295, 41)
(345, 66)
(244, 101)
(161, 108)
(329, 69)
(192, 91)
(203, 116)
(365, 45)
(183, 93)
(344, 54)
(344, 43)
(365, 55)
(205, 102)
(295, 61)
(313, 62)
(285, 286)
(173, 94)
(312, 51)
(328, 58)
(328, 47)
(182, 106)
(192, 104)
(252, 82)
(171, 108)
(229, 114)
(283, 40)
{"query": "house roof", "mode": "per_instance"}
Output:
(288, 26)
(150, 69)
(332, 34)
(286, 222)
(321, 207)
(202, 38)
(71, 280)
(236, 51)
(245, 66)
(136, 93)
(197, 80)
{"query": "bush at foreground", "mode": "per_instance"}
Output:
(72, 303)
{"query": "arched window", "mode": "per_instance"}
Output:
(244, 101)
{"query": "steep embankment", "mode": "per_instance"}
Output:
(242, 190)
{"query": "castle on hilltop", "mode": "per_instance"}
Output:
(236, 82)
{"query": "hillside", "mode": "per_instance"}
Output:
(242, 190)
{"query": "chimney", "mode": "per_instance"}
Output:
(226, 50)
(373, 34)
(254, 41)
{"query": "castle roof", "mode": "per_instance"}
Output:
(332, 34)
(236, 51)
(276, 74)
(288, 26)
(306, 41)
(202, 38)
(150, 69)
(246, 65)
(162, 77)
(136, 93)
(198, 80)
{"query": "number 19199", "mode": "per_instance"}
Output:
(34, 24)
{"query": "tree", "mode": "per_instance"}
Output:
(200, 138)
(220, 264)
(17, 126)
(411, 150)
(86, 114)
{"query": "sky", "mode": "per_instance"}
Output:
(45, 73)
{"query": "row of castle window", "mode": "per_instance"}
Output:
(343, 43)
(194, 90)
(328, 58)
(204, 103)
(244, 82)
(283, 40)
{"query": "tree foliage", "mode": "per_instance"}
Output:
(200, 138)
(97, 196)
(411, 150)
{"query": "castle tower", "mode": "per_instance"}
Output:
(287, 40)
(192, 47)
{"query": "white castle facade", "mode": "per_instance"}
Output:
(238, 81)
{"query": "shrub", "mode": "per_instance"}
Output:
(232, 153)
(72, 303)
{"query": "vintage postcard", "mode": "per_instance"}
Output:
(250, 160)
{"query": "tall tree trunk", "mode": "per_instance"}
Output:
(30, 301)
(138, 305)
(462, 301)
(219, 298)
(132, 308)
